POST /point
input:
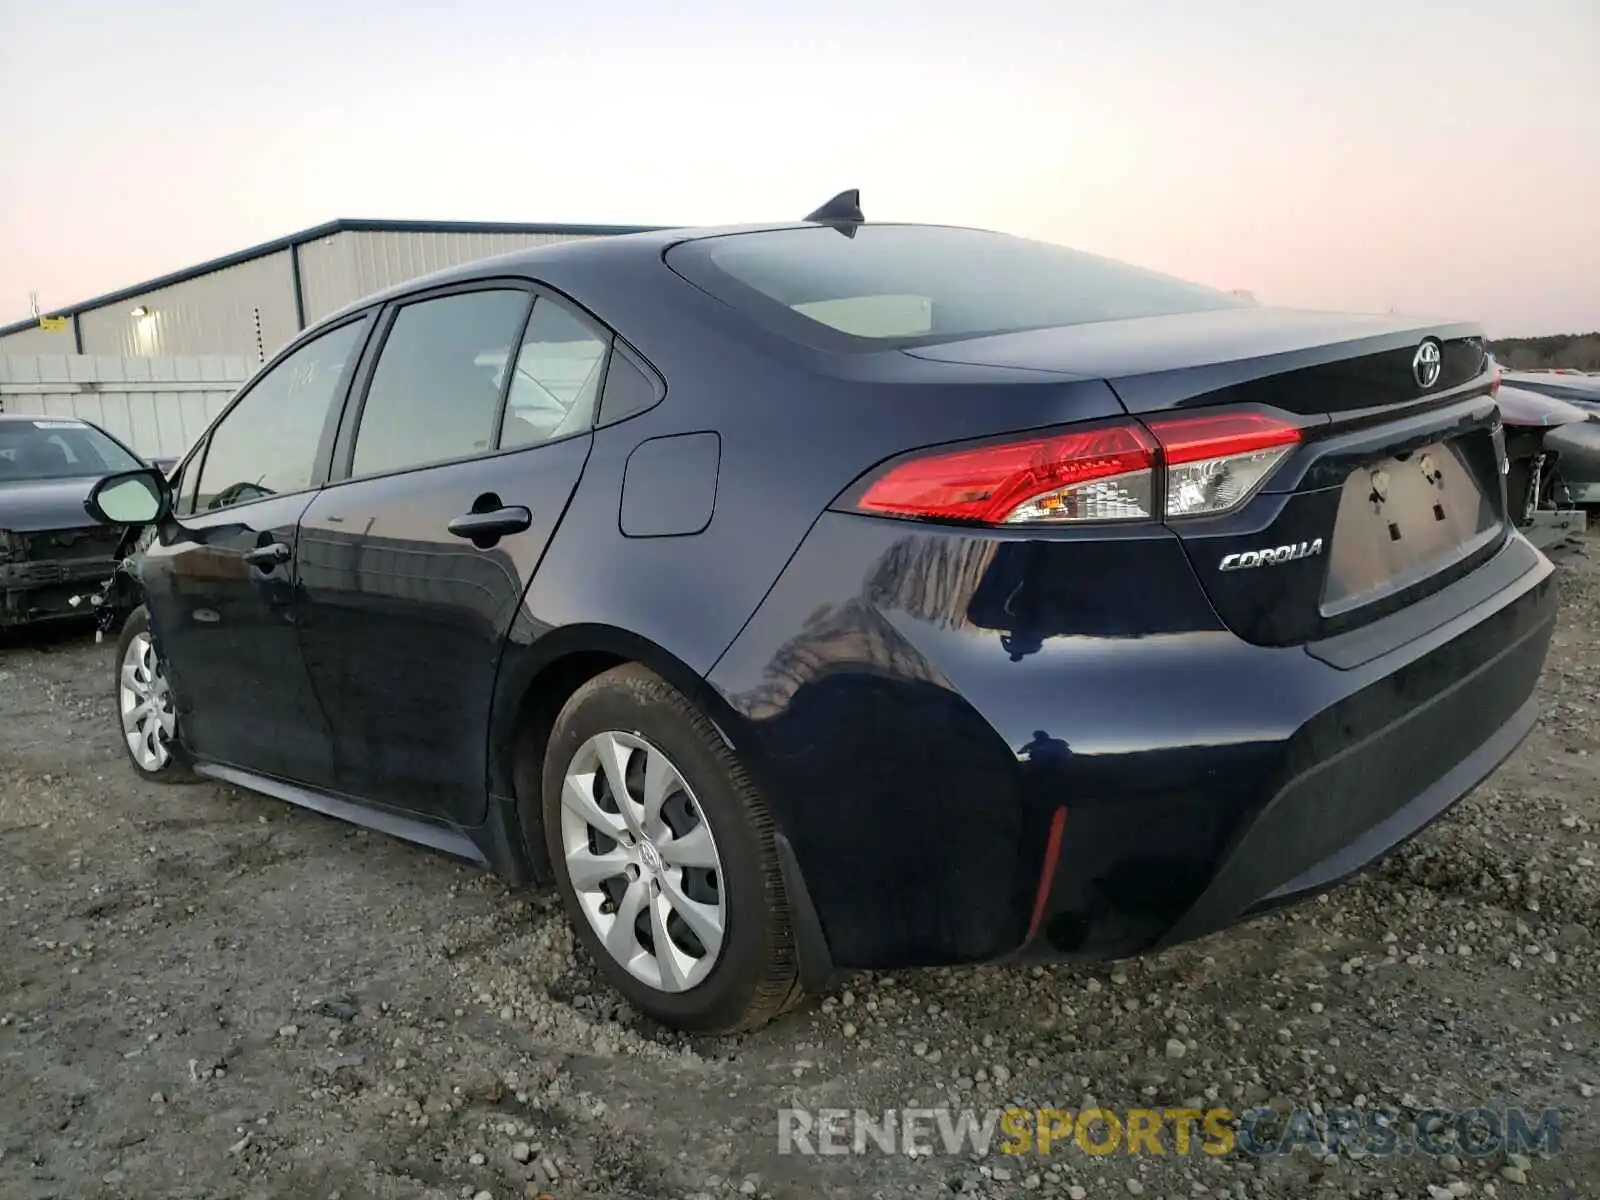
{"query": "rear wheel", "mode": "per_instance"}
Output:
(664, 855)
(146, 711)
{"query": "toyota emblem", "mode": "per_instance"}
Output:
(1427, 364)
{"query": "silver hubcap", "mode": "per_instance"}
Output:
(642, 861)
(148, 720)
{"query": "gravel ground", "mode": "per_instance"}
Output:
(205, 993)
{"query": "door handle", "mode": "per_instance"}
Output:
(275, 554)
(496, 523)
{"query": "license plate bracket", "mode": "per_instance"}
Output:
(1403, 520)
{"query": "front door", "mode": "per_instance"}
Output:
(219, 579)
(472, 435)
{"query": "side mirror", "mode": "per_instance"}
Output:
(130, 498)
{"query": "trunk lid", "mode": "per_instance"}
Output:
(1395, 491)
(1308, 363)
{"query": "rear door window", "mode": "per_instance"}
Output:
(628, 389)
(435, 392)
(555, 382)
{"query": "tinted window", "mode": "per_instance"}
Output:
(267, 443)
(436, 389)
(58, 448)
(895, 285)
(628, 390)
(556, 380)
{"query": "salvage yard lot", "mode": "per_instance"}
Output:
(204, 993)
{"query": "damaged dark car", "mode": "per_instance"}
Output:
(52, 553)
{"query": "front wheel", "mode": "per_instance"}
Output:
(665, 858)
(149, 718)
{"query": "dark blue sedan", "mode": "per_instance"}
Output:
(841, 595)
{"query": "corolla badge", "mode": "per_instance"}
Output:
(1427, 363)
(1270, 557)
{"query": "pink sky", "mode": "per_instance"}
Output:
(1436, 158)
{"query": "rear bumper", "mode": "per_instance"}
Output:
(926, 740)
(1347, 811)
(1357, 779)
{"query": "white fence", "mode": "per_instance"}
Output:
(157, 406)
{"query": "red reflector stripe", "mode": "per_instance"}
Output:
(1047, 872)
(986, 483)
(1193, 439)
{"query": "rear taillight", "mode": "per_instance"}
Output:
(1211, 464)
(1101, 474)
(1216, 463)
(1494, 381)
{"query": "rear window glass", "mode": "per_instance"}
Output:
(902, 285)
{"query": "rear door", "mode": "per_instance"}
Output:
(463, 444)
(219, 579)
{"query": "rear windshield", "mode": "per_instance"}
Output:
(890, 286)
(58, 449)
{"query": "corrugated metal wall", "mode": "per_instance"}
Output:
(246, 309)
(339, 270)
(39, 341)
(158, 406)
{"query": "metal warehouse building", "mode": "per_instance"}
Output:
(250, 303)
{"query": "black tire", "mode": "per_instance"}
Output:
(756, 976)
(177, 769)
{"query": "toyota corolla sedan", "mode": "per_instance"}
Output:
(835, 595)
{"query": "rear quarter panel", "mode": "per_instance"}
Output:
(794, 428)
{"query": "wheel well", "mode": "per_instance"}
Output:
(536, 715)
(534, 719)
